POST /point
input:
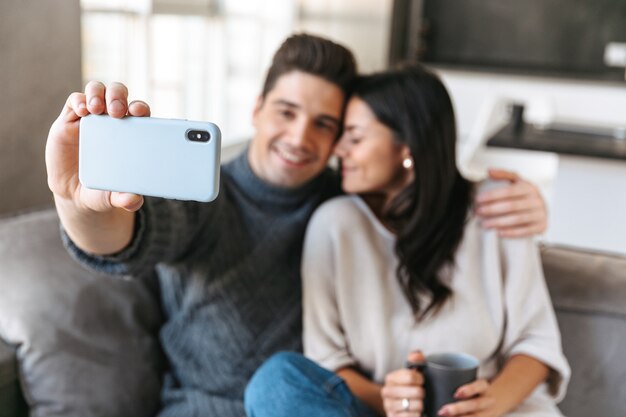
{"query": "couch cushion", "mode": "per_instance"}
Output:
(86, 343)
(586, 281)
(588, 291)
(8, 367)
(11, 401)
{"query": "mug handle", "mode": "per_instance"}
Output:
(418, 366)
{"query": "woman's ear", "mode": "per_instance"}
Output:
(407, 164)
(407, 159)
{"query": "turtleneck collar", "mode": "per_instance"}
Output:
(271, 196)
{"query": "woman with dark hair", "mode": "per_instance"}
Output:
(400, 267)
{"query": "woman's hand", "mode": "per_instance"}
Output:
(520, 375)
(403, 392)
(475, 400)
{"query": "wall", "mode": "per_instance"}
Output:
(582, 101)
(40, 66)
(211, 66)
(361, 25)
(587, 196)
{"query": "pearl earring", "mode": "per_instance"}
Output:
(407, 163)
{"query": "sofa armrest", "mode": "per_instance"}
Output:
(11, 400)
(588, 290)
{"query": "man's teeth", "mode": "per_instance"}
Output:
(291, 157)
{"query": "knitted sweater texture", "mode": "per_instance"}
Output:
(229, 274)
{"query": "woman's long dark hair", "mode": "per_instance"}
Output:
(429, 215)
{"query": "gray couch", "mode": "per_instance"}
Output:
(80, 344)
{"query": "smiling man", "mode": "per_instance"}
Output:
(229, 270)
(297, 122)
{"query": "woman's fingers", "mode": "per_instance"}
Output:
(474, 399)
(403, 406)
(404, 377)
(469, 390)
(400, 392)
(403, 393)
(416, 356)
(467, 407)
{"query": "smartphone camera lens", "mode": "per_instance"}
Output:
(198, 135)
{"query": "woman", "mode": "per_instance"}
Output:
(402, 265)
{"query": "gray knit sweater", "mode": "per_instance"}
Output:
(229, 273)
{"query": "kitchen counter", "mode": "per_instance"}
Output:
(559, 141)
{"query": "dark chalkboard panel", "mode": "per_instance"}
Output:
(538, 36)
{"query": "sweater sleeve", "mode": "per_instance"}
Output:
(163, 232)
(531, 326)
(324, 339)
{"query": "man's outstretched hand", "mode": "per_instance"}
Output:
(98, 222)
(62, 146)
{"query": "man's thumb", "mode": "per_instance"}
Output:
(127, 201)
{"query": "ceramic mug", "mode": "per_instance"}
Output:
(443, 374)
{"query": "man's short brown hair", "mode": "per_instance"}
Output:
(312, 55)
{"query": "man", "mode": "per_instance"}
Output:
(229, 270)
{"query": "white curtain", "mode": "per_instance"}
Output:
(205, 59)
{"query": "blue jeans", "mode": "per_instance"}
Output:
(288, 385)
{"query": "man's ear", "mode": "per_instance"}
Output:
(257, 108)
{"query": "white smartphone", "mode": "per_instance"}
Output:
(176, 159)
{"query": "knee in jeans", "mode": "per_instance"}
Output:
(280, 365)
(270, 378)
(284, 361)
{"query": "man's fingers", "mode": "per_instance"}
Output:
(95, 91)
(502, 174)
(499, 208)
(515, 219)
(116, 100)
(126, 201)
(519, 189)
(523, 231)
(97, 100)
(521, 224)
(139, 108)
(74, 108)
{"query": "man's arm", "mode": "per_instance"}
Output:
(97, 233)
(516, 210)
(98, 222)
